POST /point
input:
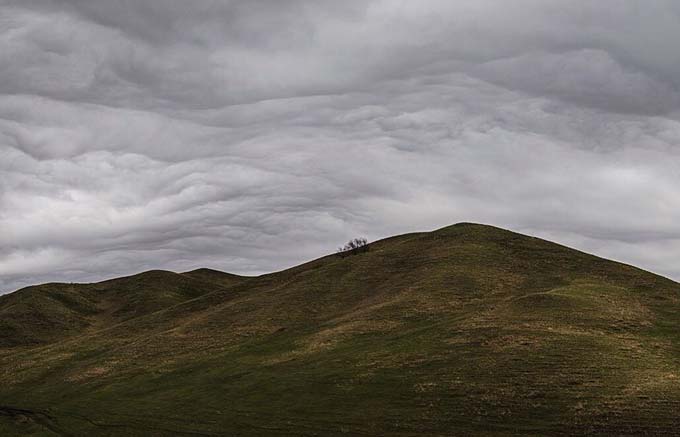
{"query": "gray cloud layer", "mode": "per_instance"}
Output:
(249, 136)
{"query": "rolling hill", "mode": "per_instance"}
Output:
(467, 330)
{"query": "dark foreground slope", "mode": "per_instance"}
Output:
(466, 330)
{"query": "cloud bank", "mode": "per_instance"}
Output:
(251, 136)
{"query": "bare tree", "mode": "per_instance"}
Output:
(353, 247)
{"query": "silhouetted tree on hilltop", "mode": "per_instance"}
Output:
(353, 247)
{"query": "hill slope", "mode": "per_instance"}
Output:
(52, 312)
(469, 329)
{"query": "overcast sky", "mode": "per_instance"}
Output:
(249, 136)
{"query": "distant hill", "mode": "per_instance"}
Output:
(469, 329)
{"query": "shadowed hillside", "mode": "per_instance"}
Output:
(469, 329)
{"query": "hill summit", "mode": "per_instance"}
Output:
(469, 329)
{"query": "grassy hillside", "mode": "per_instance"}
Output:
(52, 312)
(469, 329)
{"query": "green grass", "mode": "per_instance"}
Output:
(469, 329)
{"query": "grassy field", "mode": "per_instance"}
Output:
(469, 329)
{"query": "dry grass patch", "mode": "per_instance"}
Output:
(92, 372)
(329, 337)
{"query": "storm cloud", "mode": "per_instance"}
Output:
(249, 136)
